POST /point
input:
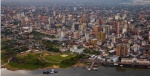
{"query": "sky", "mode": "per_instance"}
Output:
(63, 0)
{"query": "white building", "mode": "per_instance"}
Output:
(76, 50)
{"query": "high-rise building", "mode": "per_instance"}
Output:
(87, 37)
(93, 41)
(96, 29)
(101, 21)
(113, 39)
(54, 13)
(23, 20)
(117, 28)
(62, 34)
(31, 19)
(101, 36)
(44, 18)
(39, 18)
(121, 50)
(70, 17)
(63, 18)
(18, 16)
(48, 26)
(51, 20)
(75, 8)
(76, 34)
(107, 29)
(149, 36)
(26, 19)
(83, 26)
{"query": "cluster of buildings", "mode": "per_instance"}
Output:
(125, 31)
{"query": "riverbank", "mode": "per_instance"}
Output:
(49, 67)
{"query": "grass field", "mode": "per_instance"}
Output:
(56, 57)
(34, 61)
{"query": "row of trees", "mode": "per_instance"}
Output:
(89, 51)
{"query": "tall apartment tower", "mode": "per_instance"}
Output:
(117, 28)
(149, 36)
(121, 50)
(101, 36)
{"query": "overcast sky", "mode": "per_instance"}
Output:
(61, 0)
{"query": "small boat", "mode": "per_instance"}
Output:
(121, 65)
(52, 71)
(95, 68)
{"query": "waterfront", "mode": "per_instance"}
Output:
(102, 71)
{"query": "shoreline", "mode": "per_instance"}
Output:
(8, 67)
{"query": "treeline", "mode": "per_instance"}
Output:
(38, 34)
(71, 61)
(9, 49)
(28, 62)
(90, 51)
(51, 46)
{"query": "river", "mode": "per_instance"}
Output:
(102, 71)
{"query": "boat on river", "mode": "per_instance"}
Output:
(52, 71)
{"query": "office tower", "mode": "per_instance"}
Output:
(121, 50)
(117, 28)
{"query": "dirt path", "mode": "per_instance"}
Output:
(7, 62)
